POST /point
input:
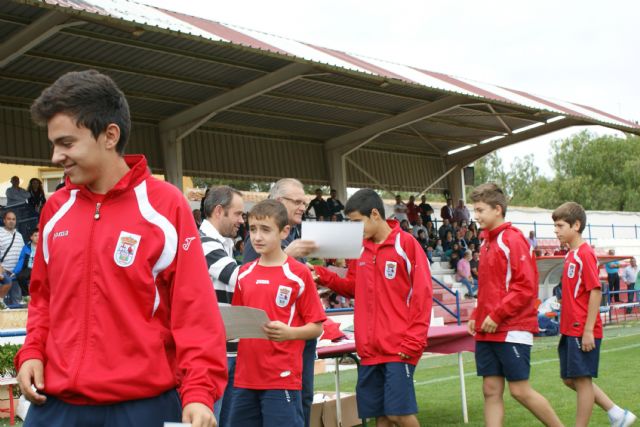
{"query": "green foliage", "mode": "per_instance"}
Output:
(7, 353)
(241, 185)
(599, 172)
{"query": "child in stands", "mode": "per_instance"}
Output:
(268, 377)
(580, 323)
(506, 319)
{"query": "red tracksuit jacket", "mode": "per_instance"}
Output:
(122, 306)
(507, 283)
(391, 283)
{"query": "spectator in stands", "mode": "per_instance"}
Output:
(532, 239)
(438, 250)
(335, 206)
(454, 258)
(413, 211)
(613, 276)
(474, 263)
(474, 240)
(11, 244)
(444, 229)
(422, 239)
(319, 206)
(430, 254)
(400, 210)
(448, 242)
(461, 213)
(36, 195)
(562, 250)
(464, 276)
(238, 250)
(16, 195)
(418, 226)
(25, 262)
(629, 276)
(405, 226)
(425, 210)
(223, 209)
(243, 231)
(432, 234)
(447, 210)
(197, 217)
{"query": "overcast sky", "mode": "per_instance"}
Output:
(585, 51)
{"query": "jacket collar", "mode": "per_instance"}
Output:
(491, 235)
(138, 172)
(391, 238)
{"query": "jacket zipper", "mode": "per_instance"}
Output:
(85, 332)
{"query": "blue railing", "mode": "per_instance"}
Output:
(441, 304)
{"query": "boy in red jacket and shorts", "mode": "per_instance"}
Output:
(392, 288)
(580, 323)
(268, 376)
(505, 319)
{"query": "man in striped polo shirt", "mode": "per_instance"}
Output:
(11, 243)
(223, 208)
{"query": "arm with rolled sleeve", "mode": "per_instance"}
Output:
(196, 324)
(523, 286)
(419, 304)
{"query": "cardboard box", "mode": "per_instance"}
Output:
(325, 414)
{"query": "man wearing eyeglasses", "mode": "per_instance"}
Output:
(290, 193)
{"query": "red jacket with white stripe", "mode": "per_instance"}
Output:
(393, 292)
(507, 281)
(122, 306)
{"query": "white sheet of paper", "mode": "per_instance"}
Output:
(334, 239)
(243, 322)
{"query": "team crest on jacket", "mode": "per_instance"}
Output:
(126, 249)
(284, 296)
(390, 269)
(571, 271)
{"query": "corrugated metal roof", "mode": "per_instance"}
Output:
(177, 22)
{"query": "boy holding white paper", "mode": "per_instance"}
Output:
(268, 377)
(391, 282)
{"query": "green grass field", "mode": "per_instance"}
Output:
(438, 389)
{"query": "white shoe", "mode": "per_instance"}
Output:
(627, 419)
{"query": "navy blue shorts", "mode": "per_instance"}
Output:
(503, 359)
(386, 389)
(266, 408)
(152, 412)
(575, 363)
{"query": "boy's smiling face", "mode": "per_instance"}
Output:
(265, 235)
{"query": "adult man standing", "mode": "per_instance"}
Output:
(223, 209)
(613, 276)
(425, 210)
(319, 206)
(400, 210)
(461, 213)
(629, 276)
(413, 211)
(290, 192)
(15, 194)
(335, 206)
(447, 210)
(11, 244)
(122, 310)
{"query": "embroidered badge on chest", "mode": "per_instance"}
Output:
(571, 271)
(283, 296)
(390, 269)
(126, 249)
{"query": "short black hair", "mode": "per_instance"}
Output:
(221, 195)
(364, 201)
(91, 98)
(7, 212)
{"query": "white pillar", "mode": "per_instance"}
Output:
(337, 167)
(172, 153)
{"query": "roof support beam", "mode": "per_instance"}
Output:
(465, 157)
(351, 141)
(194, 117)
(32, 35)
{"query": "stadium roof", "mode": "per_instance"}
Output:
(225, 101)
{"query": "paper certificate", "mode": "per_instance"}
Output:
(334, 239)
(243, 322)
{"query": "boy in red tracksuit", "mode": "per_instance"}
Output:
(268, 373)
(122, 314)
(391, 283)
(505, 319)
(580, 323)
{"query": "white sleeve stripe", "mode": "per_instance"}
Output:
(403, 254)
(248, 270)
(291, 276)
(170, 235)
(507, 252)
(52, 222)
(579, 282)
